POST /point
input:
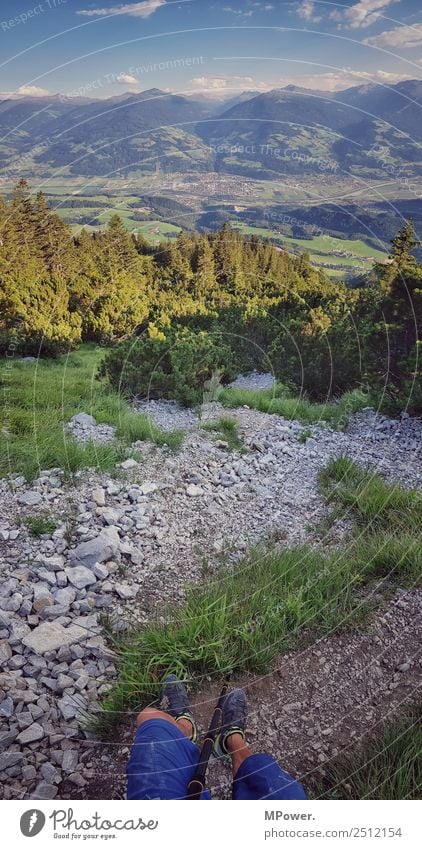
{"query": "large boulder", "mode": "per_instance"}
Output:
(83, 419)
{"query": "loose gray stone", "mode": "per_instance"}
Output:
(70, 760)
(8, 759)
(36, 711)
(111, 516)
(50, 773)
(19, 630)
(12, 605)
(100, 549)
(98, 495)
(44, 790)
(130, 463)
(64, 681)
(65, 596)
(5, 652)
(32, 734)
(83, 419)
(25, 608)
(147, 488)
(4, 620)
(80, 576)
(24, 719)
(50, 636)
(70, 706)
(100, 571)
(30, 499)
(53, 564)
(6, 708)
(193, 490)
(16, 662)
(7, 737)
(125, 591)
(42, 600)
(29, 772)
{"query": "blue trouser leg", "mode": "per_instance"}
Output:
(260, 777)
(163, 761)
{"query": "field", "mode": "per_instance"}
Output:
(208, 196)
(336, 256)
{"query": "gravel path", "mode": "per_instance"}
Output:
(118, 547)
(349, 683)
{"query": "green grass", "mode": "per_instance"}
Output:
(156, 231)
(387, 768)
(38, 399)
(132, 427)
(374, 503)
(321, 248)
(229, 432)
(274, 598)
(39, 525)
(304, 436)
(279, 401)
(252, 613)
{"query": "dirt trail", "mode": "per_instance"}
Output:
(318, 702)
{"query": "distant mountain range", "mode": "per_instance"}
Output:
(369, 130)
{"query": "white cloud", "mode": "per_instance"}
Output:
(334, 82)
(32, 91)
(218, 87)
(127, 79)
(221, 83)
(239, 12)
(404, 37)
(24, 91)
(361, 14)
(387, 77)
(306, 10)
(327, 82)
(134, 10)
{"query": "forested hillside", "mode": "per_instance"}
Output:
(225, 302)
(363, 131)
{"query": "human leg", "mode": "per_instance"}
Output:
(163, 757)
(254, 776)
(184, 724)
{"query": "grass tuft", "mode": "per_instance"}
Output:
(229, 431)
(135, 426)
(251, 614)
(39, 525)
(387, 768)
(373, 502)
(279, 400)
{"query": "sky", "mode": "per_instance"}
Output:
(103, 48)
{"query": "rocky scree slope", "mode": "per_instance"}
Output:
(126, 544)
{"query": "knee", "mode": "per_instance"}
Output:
(148, 713)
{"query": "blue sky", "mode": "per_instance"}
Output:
(104, 48)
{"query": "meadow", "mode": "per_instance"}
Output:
(39, 398)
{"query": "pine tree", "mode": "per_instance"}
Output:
(205, 283)
(403, 244)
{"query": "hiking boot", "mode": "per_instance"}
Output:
(175, 697)
(235, 712)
